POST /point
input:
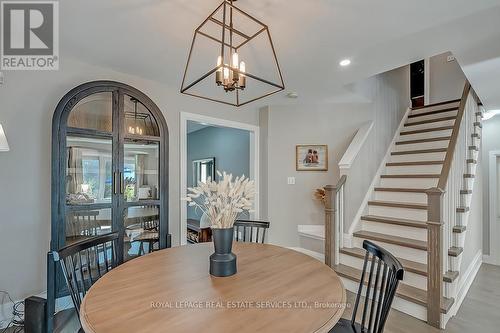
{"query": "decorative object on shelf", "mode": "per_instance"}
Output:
(320, 195)
(311, 157)
(223, 202)
(4, 145)
(136, 129)
(231, 35)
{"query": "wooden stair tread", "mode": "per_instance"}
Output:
(471, 161)
(409, 265)
(478, 124)
(409, 142)
(393, 220)
(425, 130)
(413, 163)
(469, 175)
(476, 135)
(430, 121)
(430, 113)
(419, 151)
(404, 291)
(436, 104)
(465, 191)
(396, 240)
(458, 229)
(397, 204)
(455, 251)
(400, 189)
(474, 148)
(462, 209)
(450, 276)
(419, 175)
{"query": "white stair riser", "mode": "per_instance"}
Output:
(433, 116)
(430, 125)
(404, 213)
(409, 182)
(395, 230)
(399, 304)
(437, 107)
(422, 145)
(401, 251)
(312, 244)
(412, 279)
(425, 135)
(414, 169)
(420, 198)
(418, 157)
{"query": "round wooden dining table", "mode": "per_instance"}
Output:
(275, 290)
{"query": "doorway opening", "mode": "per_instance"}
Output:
(209, 145)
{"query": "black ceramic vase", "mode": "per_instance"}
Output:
(223, 261)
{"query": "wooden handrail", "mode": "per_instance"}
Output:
(331, 192)
(445, 172)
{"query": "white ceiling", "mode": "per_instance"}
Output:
(151, 38)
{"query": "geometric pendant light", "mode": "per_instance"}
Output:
(232, 59)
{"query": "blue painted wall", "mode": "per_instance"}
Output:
(229, 146)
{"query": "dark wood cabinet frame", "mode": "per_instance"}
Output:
(60, 131)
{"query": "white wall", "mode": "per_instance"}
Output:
(27, 102)
(390, 96)
(490, 142)
(291, 205)
(447, 79)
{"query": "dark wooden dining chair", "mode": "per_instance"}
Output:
(249, 231)
(384, 274)
(83, 263)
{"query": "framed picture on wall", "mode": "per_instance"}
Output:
(311, 157)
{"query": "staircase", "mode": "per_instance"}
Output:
(436, 150)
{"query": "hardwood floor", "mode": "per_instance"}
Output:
(479, 311)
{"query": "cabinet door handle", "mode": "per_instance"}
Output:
(122, 185)
(115, 183)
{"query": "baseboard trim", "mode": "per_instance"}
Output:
(465, 283)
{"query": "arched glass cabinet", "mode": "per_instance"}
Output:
(109, 171)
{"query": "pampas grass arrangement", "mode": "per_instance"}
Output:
(223, 201)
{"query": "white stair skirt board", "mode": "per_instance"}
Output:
(312, 237)
(369, 194)
(399, 304)
(465, 282)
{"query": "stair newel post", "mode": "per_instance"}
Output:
(330, 225)
(434, 255)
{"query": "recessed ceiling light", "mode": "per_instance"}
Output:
(345, 62)
(292, 94)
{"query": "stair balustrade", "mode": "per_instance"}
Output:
(447, 204)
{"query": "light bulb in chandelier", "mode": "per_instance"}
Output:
(218, 73)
